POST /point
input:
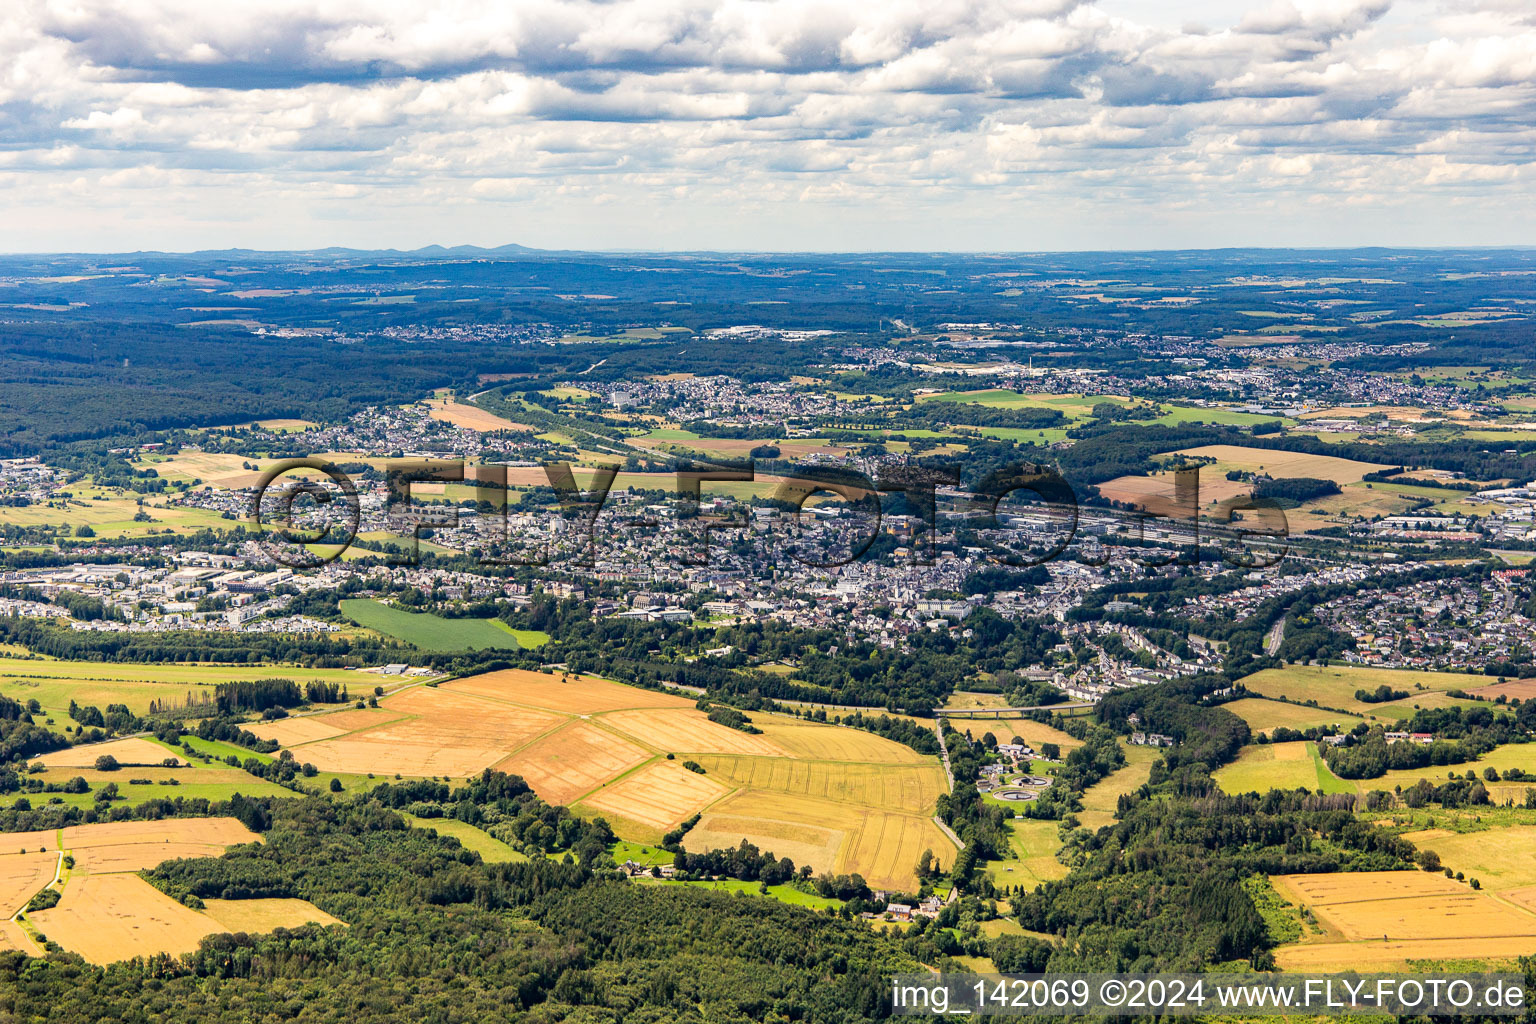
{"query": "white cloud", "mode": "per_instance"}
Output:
(761, 114)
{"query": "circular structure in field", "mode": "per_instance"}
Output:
(1018, 794)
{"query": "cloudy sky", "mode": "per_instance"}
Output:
(766, 124)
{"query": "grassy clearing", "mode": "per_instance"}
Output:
(1297, 765)
(1100, 799)
(429, 632)
(220, 750)
(490, 849)
(782, 893)
(1034, 844)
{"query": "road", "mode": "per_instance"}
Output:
(1274, 639)
(1009, 712)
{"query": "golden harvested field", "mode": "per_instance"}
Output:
(1030, 731)
(1399, 954)
(132, 751)
(218, 831)
(881, 845)
(217, 469)
(897, 787)
(1400, 413)
(139, 856)
(1156, 493)
(572, 761)
(443, 733)
(597, 745)
(291, 731)
(1279, 463)
(361, 718)
(970, 700)
(800, 842)
(257, 916)
(1267, 715)
(106, 918)
(108, 913)
(1524, 689)
(885, 847)
(471, 417)
(1100, 799)
(657, 796)
(689, 732)
(1499, 858)
(1378, 918)
(22, 875)
(29, 842)
(13, 938)
(1343, 888)
(823, 743)
(576, 695)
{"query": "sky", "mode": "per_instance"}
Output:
(1009, 125)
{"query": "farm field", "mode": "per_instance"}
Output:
(130, 751)
(824, 743)
(1383, 919)
(687, 731)
(573, 760)
(1499, 858)
(656, 796)
(22, 875)
(107, 913)
(211, 782)
(1030, 731)
(258, 916)
(113, 516)
(1100, 799)
(783, 893)
(1335, 686)
(106, 918)
(439, 733)
(842, 794)
(216, 469)
(1074, 407)
(874, 784)
(1266, 715)
(428, 632)
(567, 694)
(1156, 493)
(1280, 463)
(883, 846)
(1524, 689)
(1501, 758)
(1295, 765)
(54, 683)
(471, 417)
